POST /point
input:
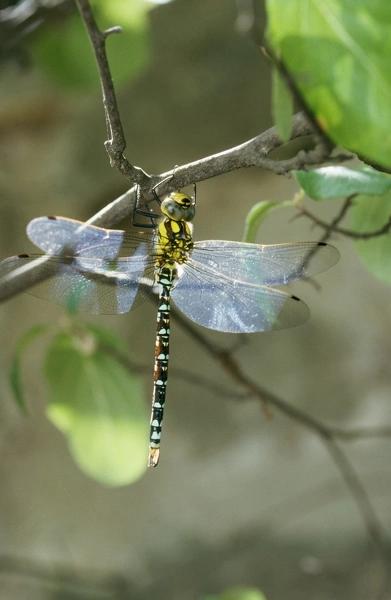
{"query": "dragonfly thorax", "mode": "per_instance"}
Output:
(175, 242)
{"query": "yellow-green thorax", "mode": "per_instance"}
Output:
(174, 232)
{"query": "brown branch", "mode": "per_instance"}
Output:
(180, 373)
(66, 579)
(327, 434)
(254, 152)
(346, 232)
(361, 433)
(116, 143)
(338, 218)
(361, 498)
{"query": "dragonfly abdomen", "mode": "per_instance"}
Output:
(166, 277)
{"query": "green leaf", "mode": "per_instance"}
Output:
(282, 106)
(337, 52)
(98, 405)
(15, 375)
(241, 593)
(335, 182)
(65, 52)
(369, 214)
(257, 214)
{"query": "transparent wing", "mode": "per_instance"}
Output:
(92, 285)
(85, 267)
(61, 236)
(224, 285)
(277, 264)
(233, 306)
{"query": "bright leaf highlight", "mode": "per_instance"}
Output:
(337, 52)
(98, 405)
(335, 182)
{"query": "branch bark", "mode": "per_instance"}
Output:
(253, 153)
(116, 143)
(329, 436)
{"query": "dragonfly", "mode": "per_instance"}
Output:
(223, 285)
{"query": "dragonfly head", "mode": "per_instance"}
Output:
(178, 207)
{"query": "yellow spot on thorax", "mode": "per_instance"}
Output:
(174, 242)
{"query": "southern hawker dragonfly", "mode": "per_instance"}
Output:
(225, 286)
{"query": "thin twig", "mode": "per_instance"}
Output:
(327, 434)
(361, 498)
(338, 218)
(180, 373)
(300, 100)
(116, 143)
(361, 433)
(346, 232)
(64, 579)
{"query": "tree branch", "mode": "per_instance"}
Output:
(254, 152)
(328, 435)
(333, 227)
(116, 143)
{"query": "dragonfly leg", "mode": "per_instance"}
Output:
(155, 187)
(144, 213)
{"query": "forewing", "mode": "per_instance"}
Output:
(234, 306)
(277, 264)
(61, 236)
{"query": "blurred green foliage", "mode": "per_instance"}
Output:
(238, 593)
(95, 400)
(371, 214)
(63, 49)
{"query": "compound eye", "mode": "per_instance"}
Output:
(189, 213)
(171, 209)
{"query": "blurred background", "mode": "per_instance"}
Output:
(238, 499)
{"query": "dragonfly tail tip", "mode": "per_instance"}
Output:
(154, 455)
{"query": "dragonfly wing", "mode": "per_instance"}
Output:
(277, 264)
(62, 236)
(235, 306)
(86, 284)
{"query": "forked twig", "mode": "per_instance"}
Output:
(328, 435)
(116, 143)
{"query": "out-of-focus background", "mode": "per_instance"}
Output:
(238, 499)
